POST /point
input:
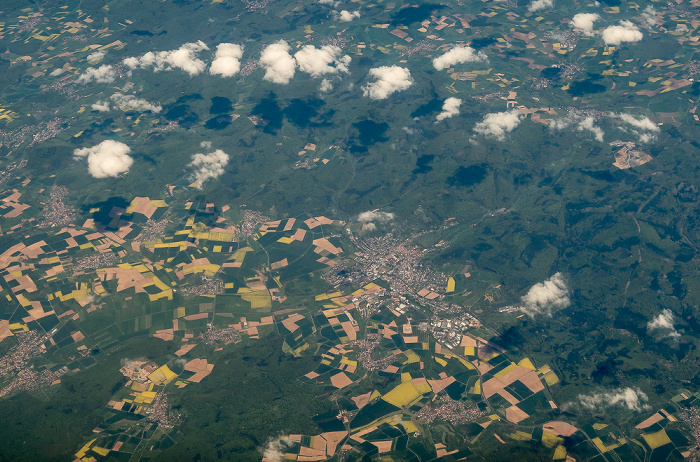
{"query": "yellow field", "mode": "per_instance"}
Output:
(327, 296)
(402, 395)
(511, 367)
(543, 370)
(412, 357)
(559, 453)
(409, 426)
(162, 374)
(603, 448)
(84, 449)
(550, 440)
(440, 361)
(239, 255)
(450, 285)
(551, 378)
(101, 451)
(658, 439)
(526, 363)
(521, 436)
(466, 363)
(208, 270)
(258, 299)
(424, 388)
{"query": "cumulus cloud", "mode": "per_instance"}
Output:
(109, 158)
(227, 60)
(559, 124)
(132, 103)
(581, 121)
(643, 123)
(326, 86)
(664, 324)
(584, 21)
(96, 57)
(588, 124)
(624, 32)
(458, 55)
(373, 215)
(319, 61)
(631, 398)
(274, 450)
(347, 16)
(643, 127)
(498, 124)
(279, 64)
(101, 106)
(450, 108)
(208, 166)
(649, 15)
(544, 297)
(127, 103)
(389, 79)
(184, 58)
(540, 5)
(102, 74)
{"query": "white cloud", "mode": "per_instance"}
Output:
(643, 123)
(347, 16)
(56, 72)
(183, 58)
(544, 297)
(450, 108)
(208, 166)
(631, 398)
(643, 127)
(275, 449)
(458, 55)
(559, 124)
(132, 103)
(332, 3)
(649, 15)
(279, 64)
(101, 106)
(102, 74)
(540, 5)
(584, 21)
(664, 323)
(96, 57)
(227, 60)
(498, 124)
(389, 79)
(588, 124)
(326, 86)
(625, 32)
(109, 158)
(319, 61)
(381, 217)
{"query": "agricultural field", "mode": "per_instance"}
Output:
(349, 231)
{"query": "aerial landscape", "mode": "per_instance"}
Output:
(333, 230)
